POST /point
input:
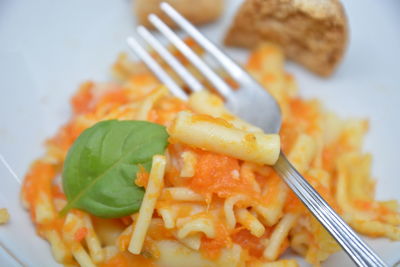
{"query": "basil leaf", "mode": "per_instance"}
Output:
(101, 166)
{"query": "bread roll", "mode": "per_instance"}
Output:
(313, 33)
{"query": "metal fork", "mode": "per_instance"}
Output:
(247, 103)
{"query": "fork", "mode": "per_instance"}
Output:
(246, 102)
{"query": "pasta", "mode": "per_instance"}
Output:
(219, 136)
(213, 199)
(4, 216)
(153, 190)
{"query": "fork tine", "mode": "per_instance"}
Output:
(220, 85)
(189, 79)
(156, 68)
(227, 63)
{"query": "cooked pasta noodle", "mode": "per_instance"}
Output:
(229, 211)
(153, 190)
(219, 136)
(281, 231)
(182, 194)
(202, 224)
(250, 222)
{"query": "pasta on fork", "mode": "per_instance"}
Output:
(192, 183)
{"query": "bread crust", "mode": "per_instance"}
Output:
(196, 11)
(313, 33)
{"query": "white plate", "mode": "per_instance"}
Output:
(48, 47)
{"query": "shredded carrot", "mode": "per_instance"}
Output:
(214, 174)
(259, 57)
(58, 193)
(211, 247)
(38, 181)
(80, 234)
(269, 78)
(165, 112)
(273, 186)
(127, 220)
(142, 177)
(157, 231)
(285, 244)
(250, 242)
(293, 204)
(305, 114)
(81, 101)
(113, 98)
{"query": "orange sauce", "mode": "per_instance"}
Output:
(111, 99)
(249, 242)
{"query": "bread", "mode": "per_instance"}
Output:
(196, 11)
(313, 33)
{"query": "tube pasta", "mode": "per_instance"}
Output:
(376, 228)
(176, 214)
(169, 216)
(278, 235)
(249, 221)
(272, 211)
(189, 164)
(247, 172)
(73, 223)
(299, 243)
(92, 241)
(218, 136)
(302, 152)
(202, 224)
(192, 241)
(204, 102)
(44, 210)
(4, 216)
(58, 247)
(347, 195)
(228, 209)
(81, 256)
(153, 190)
(109, 252)
(182, 194)
(322, 176)
(148, 103)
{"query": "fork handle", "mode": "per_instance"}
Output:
(358, 250)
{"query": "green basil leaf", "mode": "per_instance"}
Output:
(101, 166)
